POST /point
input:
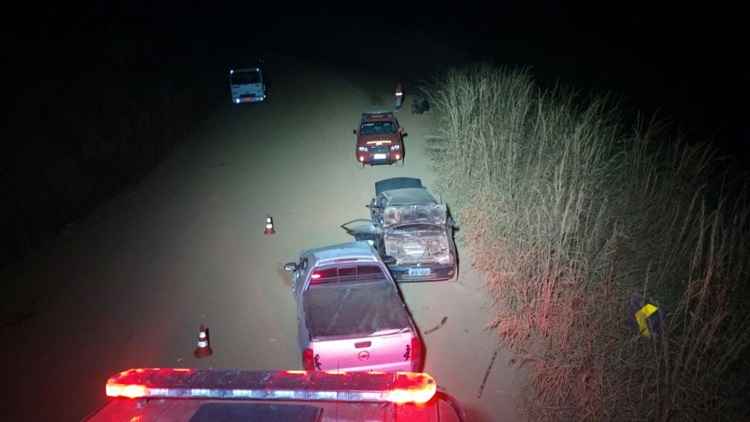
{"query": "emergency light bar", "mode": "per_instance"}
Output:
(399, 387)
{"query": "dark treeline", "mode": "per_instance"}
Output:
(98, 99)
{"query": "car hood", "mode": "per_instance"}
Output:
(379, 139)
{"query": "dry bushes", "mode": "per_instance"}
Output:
(569, 219)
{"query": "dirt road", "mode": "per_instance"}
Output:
(129, 286)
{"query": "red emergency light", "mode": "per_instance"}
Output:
(398, 387)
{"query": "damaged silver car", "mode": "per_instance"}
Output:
(410, 229)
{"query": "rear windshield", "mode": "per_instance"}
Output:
(376, 128)
(354, 309)
(244, 78)
(339, 274)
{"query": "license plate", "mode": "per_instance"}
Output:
(419, 271)
(379, 156)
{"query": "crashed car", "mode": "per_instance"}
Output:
(379, 139)
(410, 229)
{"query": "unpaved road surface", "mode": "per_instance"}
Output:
(129, 286)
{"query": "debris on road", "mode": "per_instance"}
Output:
(487, 373)
(437, 327)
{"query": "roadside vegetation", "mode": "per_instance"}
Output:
(577, 218)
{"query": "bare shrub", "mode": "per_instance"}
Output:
(568, 217)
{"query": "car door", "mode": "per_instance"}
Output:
(377, 206)
(361, 230)
(298, 285)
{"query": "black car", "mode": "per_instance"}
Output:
(410, 229)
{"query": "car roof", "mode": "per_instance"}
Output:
(408, 196)
(358, 250)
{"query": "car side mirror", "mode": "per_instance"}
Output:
(290, 267)
(401, 130)
(389, 260)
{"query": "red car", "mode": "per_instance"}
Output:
(379, 139)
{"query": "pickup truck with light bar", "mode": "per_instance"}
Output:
(350, 313)
(410, 229)
(380, 139)
(203, 395)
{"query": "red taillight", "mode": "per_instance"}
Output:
(308, 360)
(416, 354)
(315, 276)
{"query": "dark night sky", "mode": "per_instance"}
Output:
(684, 60)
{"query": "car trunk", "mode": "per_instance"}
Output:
(386, 353)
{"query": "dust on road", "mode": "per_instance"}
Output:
(131, 284)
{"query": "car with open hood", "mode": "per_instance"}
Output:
(411, 230)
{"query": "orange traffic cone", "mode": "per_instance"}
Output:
(269, 226)
(204, 344)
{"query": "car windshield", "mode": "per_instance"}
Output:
(377, 128)
(244, 78)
